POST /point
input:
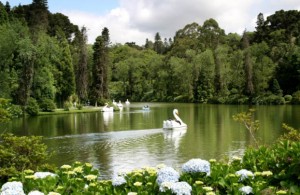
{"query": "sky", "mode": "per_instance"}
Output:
(138, 20)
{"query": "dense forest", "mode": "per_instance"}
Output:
(44, 58)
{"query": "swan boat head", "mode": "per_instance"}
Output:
(107, 108)
(176, 123)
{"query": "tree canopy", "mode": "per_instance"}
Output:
(43, 56)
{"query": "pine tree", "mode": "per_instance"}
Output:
(38, 16)
(82, 66)
(100, 69)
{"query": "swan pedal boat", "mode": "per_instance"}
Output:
(176, 123)
(107, 108)
(146, 108)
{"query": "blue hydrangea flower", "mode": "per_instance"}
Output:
(196, 166)
(118, 180)
(246, 190)
(12, 188)
(244, 173)
(181, 188)
(167, 174)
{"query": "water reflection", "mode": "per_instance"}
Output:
(134, 138)
(108, 117)
(174, 136)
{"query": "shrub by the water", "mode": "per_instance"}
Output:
(47, 105)
(32, 107)
(67, 105)
(296, 97)
(19, 153)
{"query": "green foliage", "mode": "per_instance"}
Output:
(9, 110)
(20, 153)
(47, 105)
(5, 115)
(269, 99)
(32, 107)
(288, 98)
(67, 105)
(290, 133)
(40, 58)
(79, 106)
(281, 159)
(247, 119)
(15, 111)
(82, 178)
(296, 98)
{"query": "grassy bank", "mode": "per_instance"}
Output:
(85, 109)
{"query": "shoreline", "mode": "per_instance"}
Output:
(85, 109)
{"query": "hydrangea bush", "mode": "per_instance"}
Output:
(82, 178)
(263, 170)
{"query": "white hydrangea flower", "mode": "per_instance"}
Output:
(164, 186)
(118, 180)
(90, 177)
(181, 188)
(36, 192)
(132, 193)
(196, 166)
(246, 190)
(267, 173)
(42, 175)
(53, 193)
(12, 188)
(66, 167)
(167, 174)
(244, 173)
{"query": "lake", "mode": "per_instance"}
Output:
(134, 138)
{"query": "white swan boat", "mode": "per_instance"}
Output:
(107, 108)
(120, 105)
(146, 108)
(127, 102)
(176, 123)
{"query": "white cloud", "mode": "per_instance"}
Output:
(137, 20)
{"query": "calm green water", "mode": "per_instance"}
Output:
(134, 138)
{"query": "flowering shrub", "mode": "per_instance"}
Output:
(19, 153)
(248, 175)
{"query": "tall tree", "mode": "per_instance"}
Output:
(64, 75)
(249, 90)
(59, 22)
(260, 28)
(3, 14)
(100, 69)
(82, 66)
(25, 62)
(211, 34)
(38, 16)
(158, 44)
